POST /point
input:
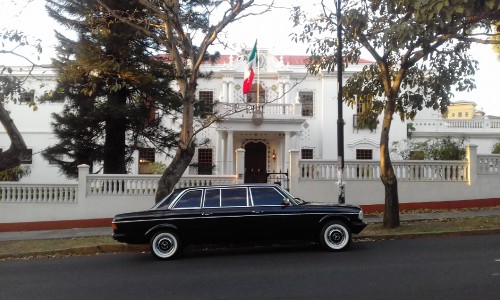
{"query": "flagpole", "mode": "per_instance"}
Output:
(258, 77)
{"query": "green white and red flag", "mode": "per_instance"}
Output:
(249, 73)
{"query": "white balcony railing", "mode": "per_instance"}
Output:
(42, 193)
(145, 185)
(447, 125)
(488, 164)
(370, 170)
(270, 110)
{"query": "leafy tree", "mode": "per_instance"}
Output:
(115, 84)
(420, 52)
(496, 148)
(186, 29)
(12, 41)
(432, 149)
(496, 37)
(14, 174)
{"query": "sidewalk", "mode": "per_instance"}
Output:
(106, 231)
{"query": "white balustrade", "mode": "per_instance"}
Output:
(13, 192)
(271, 110)
(488, 164)
(145, 185)
(370, 170)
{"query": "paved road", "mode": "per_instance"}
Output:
(446, 268)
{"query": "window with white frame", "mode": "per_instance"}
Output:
(206, 99)
(306, 98)
(27, 157)
(364, 154)
(146, 157)
(27, 97)
(205, 161)
(306, 153)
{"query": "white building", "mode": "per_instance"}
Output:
(293, 110)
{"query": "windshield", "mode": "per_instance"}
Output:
(295, 200)
(167, 200)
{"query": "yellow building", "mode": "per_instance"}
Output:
(463, 110)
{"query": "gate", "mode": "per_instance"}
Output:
(279, 179)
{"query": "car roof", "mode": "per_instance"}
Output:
(228, 186)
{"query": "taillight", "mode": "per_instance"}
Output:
(114, 227)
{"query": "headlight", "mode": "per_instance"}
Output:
(361, 215)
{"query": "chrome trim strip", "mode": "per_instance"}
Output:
(219, 217)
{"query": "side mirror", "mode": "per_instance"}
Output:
(286, 202)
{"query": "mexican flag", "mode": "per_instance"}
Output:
(249, 74)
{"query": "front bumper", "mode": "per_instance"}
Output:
(357, 227)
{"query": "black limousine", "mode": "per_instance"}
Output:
(236, 213)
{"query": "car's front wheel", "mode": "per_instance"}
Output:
(335, 236)
(165, 245)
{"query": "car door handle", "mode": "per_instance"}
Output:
(206, 214)
(257, 211)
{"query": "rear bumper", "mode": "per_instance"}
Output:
(123, 238)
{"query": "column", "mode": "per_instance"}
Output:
(471, 154)
(240, 165)
(293, 174)
(83, 172)
(230, 153)
(286, 157)
(287, 92)
(281, 92)
(219, 155)
(231, 92)
(224, 91)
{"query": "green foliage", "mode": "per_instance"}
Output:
(14, 174)
(496, 38)
(119, 92)
(367, 120)
(420, 49)
(496, 148)
(431, 149)
(420, 54)
(157, 167)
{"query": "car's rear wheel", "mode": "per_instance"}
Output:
(335, 236)
(165, 245)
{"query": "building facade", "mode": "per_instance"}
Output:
(286, 109)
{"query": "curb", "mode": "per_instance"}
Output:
(439, 234)
(124, 248)
(90, 250)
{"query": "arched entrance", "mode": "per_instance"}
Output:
(255, 162)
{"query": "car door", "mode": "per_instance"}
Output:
(225, 214)
(270, 218)
(277, 220)
(185, 215)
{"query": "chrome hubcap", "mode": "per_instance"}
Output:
(336, 236)
(165, 244)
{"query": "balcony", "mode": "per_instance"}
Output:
(440, 127)
(270, 111)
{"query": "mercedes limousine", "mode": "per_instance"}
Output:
(236, 213)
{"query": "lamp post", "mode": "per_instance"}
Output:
(340, 120)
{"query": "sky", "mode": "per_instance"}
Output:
(272, 31)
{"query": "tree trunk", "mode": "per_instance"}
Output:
(114, 144)
(388, 177)
(174, 172)
(12, 157)
(185, 149)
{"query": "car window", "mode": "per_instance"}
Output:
(212, 198)
(266, 196)
(234, 197)
(168, 200)
(191, 199)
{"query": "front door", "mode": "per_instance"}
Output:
(255, 162)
